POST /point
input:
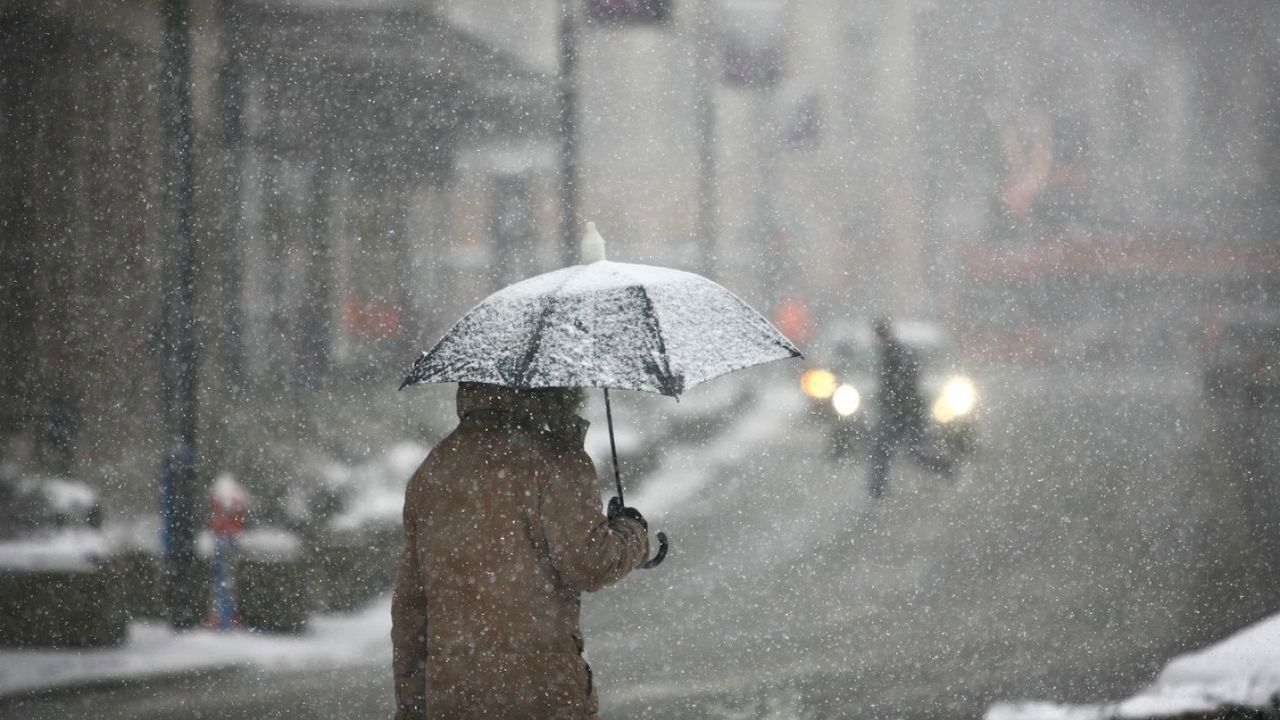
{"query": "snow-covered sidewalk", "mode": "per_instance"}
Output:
(153, 650)
(1243, 670)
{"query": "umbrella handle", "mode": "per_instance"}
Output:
(617, 479)
(662, 552)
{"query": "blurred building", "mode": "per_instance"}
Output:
(1086, 182)
(329, 182)
(81, 207)
(1076, 181)
(1096, 174)
(921, 158)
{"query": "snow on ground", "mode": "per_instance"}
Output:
(62, 550)
(153, 649)
(679, 479)
(373, 490)
(1244, 670)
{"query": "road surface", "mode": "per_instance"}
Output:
(1081, 547)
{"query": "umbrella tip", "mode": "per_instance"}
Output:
(592, 245)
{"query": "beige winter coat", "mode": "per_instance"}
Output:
(502, 532)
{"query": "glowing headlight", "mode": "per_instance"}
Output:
(957, 399)
(846, 399)
(818, 384)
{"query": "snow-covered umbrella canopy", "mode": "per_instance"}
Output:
(604, 324)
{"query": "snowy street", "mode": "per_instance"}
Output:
(1049, 572)
(941, 340)
(1068, 570)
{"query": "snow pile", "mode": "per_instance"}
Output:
(1243, 670)
(629, 441)
(154, 649)
(63, 550)
(373, 492)
(47, 524)
(264, 544)
(680, 479)
(228, 494)
(67, 496)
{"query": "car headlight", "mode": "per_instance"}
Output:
(958, 398)
(846, 400)
(818, 384)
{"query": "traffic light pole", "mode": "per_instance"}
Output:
(180, 496)
(705, 82)
(568, 134)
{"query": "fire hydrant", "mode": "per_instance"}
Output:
(229, 502)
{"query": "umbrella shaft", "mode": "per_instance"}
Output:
(608, 414)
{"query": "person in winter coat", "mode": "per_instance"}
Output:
(901, 411)
(502, 532)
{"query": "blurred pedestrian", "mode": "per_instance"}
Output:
(502, 532)
(900, 419)
(229, 503)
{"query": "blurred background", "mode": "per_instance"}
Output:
(244, 230)
(1090, 183)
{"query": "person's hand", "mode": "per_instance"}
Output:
(617, 509)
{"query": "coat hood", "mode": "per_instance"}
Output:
(517, 403)
(552, 410)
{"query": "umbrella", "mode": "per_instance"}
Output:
(607, 325)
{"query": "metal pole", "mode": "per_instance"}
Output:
(617, 477)
(705, 109)
(180, 492)
(568, 134)
(663, 545)
(231, 99)
(903, 209)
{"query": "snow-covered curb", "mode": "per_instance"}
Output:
(677, 480)
(153, 649)
(1243, 670)
(74, 550)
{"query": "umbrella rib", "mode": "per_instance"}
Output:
(671, 385)
(781, 342)
(514, 361)
(524, 367)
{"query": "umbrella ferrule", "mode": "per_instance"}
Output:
(592, 245)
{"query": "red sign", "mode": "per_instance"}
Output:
(370, 319)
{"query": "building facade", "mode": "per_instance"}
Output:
(366, 170)
(328, 138)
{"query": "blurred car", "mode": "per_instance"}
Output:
(56, 576)
(841, 387)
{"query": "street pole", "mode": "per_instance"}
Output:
(772, 257)
(568, 134)
(903, 208)
(705, 109)
(180, 496)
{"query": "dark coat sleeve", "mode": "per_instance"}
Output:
(409, 623)
(588, 550)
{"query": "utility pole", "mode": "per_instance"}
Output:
(898, 91)
(180, 492)
(568, 134)
(705, 80)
